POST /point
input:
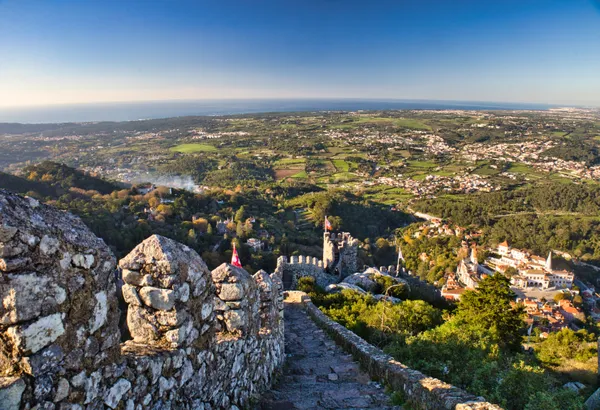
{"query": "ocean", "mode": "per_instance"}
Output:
(163, 109)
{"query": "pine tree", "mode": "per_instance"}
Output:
(490, 307)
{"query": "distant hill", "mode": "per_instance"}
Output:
(61, 178)
(22, 186)
(16, 128)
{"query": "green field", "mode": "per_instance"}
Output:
(341, 165)
(290, 161)
(412, 123)
(191, 148)
(397, 122)
(422, 164)
(485, 169)
(300, 175)
(521, 168)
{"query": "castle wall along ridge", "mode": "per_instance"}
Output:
(196, 339)
(200, 339)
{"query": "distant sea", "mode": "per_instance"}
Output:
(165, 109)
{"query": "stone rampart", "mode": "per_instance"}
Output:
(199, 339)
(422, 392)
(299, 266)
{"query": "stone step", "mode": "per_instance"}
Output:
(319, 374)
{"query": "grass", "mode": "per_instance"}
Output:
(398, 122)
(422, 164)
(485, 169)
(344, 176)
(190, 148)
(557, 133)
(412, 123)
(300, 175)
(419, 177)
(341, 165)
(286, 173)
(290, 161)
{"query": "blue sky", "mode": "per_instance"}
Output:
(68, 51)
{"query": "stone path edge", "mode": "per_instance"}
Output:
(421, 391)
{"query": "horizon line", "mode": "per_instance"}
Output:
(374, 99)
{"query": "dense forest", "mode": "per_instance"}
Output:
(280, 215)
(541, 218)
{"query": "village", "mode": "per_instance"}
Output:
(433, 184)
(550, 296)
(550, 292)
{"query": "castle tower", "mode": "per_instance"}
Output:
(340, 253)
(474, 256)
(549, 262)
(400, 262)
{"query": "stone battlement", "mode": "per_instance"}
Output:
(305, 260)
(299, 266)
(199, 339)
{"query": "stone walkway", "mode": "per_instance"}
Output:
(318, 374)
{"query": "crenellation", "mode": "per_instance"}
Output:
(199, 339)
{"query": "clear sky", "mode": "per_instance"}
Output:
(62, 51)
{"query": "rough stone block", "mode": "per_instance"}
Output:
(231, 291)
(37, 335)
(11, 392)
(25, 295)
(48, 245)
(44, 361)
(115, 393)
(83, 261)
(100, 311)
(142, 324)
(130, 295)
(157, 298)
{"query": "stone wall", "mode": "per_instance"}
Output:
(200, 339)
(422, 392)
(421, 289)
(299, 266)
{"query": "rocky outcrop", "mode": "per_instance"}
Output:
(200, 339)
(338, 287)
(367, 280)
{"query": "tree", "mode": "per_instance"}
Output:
(239, 230)
(240, 215)
(165, 209)
(201, 224)
(154, 202)
(191, 236)
(490, 307)
(559, 296)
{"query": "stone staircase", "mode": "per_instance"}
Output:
(318, 374)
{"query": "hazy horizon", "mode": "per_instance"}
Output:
(59, 52)
(326, 98)
(133, 111)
